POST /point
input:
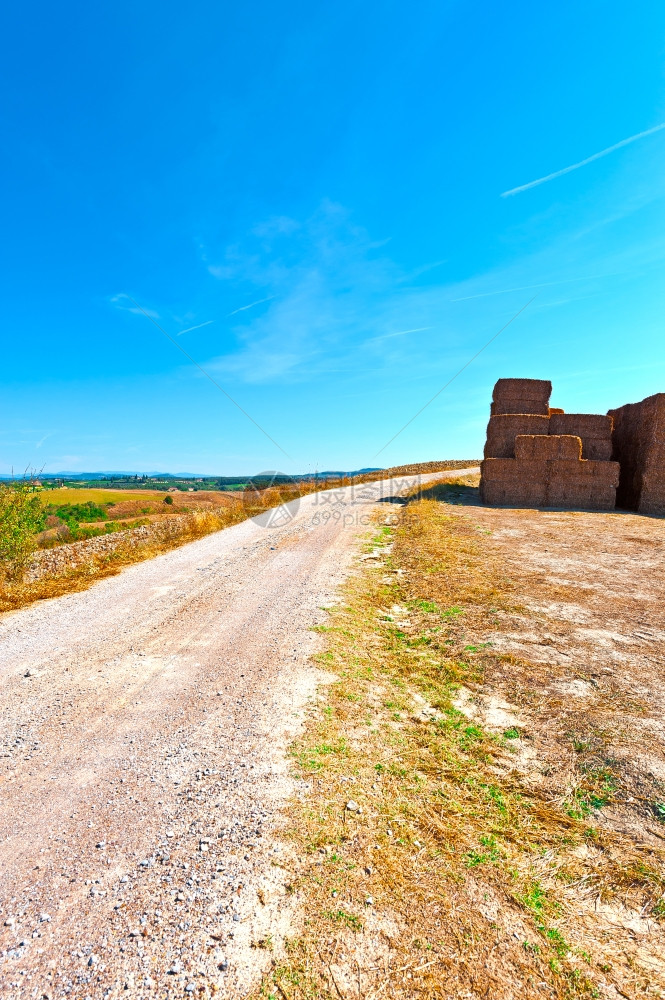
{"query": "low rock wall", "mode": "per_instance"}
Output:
(59, 560)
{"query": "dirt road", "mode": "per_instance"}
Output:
(144, 724)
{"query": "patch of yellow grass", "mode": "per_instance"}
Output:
(67, 495)
(16, 594)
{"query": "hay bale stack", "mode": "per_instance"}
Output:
(548, 448)
(638, 443)
(504, 428)
(595, 429)
(521, 395)
(652, 497)
(537, 456)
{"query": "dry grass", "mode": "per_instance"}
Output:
(457, 878)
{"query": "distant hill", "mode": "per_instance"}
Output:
(129, 477)
(120, 473)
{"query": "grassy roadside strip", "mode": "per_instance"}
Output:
(426, 867)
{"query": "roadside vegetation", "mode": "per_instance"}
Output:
(21, 517)
(425, 864)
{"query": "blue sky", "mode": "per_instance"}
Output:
(317, 189)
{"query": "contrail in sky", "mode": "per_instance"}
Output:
(190, 328)
(251, 305)
(583, 163)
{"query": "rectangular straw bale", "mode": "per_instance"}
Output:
(594, 425)
(521, 395)
(555, 409)
(638, 440)
(520, 404)
(503, 429)
(510, 469)
(547, 448)
(595, 429)
(507, 493)
(602, 472)
(654, 479)
(522, 388)
(597, 449)
(591, 494)
(603, 498)
(652, 496)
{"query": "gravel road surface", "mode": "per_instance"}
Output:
(143, 730)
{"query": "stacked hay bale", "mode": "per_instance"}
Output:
(638, 440)
(534, 457)
(594, 429)
(521, 395)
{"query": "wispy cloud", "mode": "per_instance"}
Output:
(190, 328)
(583, 163)
(278, 225)
(424, 268)
(251, 305)
(399, 333)
(342, 309)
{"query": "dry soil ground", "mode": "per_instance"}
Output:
(579, 672)
(143, 726)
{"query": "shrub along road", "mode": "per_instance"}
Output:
(144, 724)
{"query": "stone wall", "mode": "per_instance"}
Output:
(64, 558)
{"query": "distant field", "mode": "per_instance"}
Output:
(96, 496)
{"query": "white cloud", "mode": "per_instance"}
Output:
(44, 438)
(278, 225)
